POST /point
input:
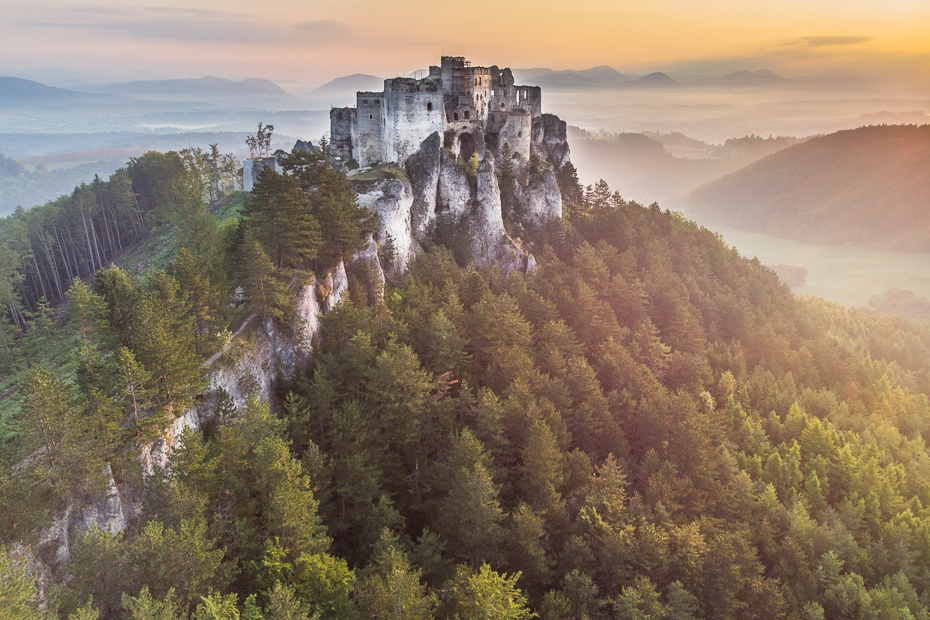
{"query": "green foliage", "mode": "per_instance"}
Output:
(389, 587)
(145, 607)
(487, 595)
(18, 593)
(645, 426)
(279, 217)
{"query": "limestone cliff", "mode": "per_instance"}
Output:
(437, 188)
(550, 140)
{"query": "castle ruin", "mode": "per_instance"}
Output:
(472, 108)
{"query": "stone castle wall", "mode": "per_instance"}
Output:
(413, 111)
(343, 135)
(468, 106)
(370, 112)
(515, 129)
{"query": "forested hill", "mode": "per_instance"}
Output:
(646, 426)
(868, 186)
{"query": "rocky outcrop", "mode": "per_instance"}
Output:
(392, 200)
(436, 186)
(540, 200)
(369, 256)
(454, 196)
(550, 140)
(487, 224)
(423, 171)
(338, 283)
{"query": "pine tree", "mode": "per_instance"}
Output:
(46, 407)
(203, 293)
(488, 595)
(19, 597)
(390, 585)
(387, 252)
(278, 215)
(166, 348)
(265, 294)
(87, 311)
(136, 393)
(469, 517)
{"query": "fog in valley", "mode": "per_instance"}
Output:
(652, 138)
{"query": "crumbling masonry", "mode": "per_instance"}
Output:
(471, 107)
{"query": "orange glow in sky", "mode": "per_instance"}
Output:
(314, 41)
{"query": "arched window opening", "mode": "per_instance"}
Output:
(429, 106)
(467, 115)
(370, 116)
(455, 116)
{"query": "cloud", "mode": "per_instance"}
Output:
(322, 26)
(821, 41)
(196, 25)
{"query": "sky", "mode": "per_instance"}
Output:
(313, 41)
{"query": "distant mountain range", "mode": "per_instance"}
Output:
(352, 83)
(206, 88)
(608, 77)
(868, 186)
(16, 92)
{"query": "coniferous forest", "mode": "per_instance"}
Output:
(645, 426)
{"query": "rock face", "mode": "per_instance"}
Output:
(423, 171)
(437, 186)
(541, 200)
(392, 199)
(454, 196)
(550, 140)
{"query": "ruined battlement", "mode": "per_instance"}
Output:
(463, 104)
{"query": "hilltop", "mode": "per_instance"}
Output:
(868, 186)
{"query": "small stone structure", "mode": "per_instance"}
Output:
(251, 168)
(473, 108)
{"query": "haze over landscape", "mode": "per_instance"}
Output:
(636, 326)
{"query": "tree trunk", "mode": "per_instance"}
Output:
(54, 265)
(64, 257)
(90, 250)
(38, 272)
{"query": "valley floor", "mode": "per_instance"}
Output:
(847, 274)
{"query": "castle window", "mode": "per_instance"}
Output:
(370, 116)
(429, 106)
(492, 92)
(467, 114)
(364, 101)
(524, 95)
(455, 116)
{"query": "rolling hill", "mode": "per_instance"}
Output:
(200, 89)
(654, 167)
(17, 92)
(868, 186)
